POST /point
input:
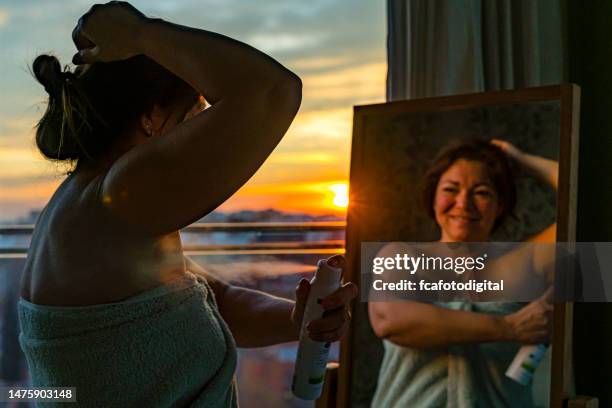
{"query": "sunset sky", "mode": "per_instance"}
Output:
(337, 47)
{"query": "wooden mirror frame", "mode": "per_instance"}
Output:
(568, 95)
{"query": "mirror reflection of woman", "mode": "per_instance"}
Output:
(455, 354)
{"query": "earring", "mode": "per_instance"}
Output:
(148, 129)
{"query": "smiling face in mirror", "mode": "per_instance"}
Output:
(468, 191)
(466, 203)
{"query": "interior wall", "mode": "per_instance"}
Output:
(589, 52)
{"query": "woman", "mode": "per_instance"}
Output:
(109, 303)
(455, 354)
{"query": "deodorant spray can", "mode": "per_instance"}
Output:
(525, 363)
(312, 355)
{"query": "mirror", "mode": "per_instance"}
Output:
(394, 145)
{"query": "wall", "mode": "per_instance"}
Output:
(589, 52)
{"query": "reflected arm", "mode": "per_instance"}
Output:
(548, 171)
(422, 325)
(545, 169)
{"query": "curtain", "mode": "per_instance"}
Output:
(445, 47)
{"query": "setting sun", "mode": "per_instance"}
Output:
(340, 195)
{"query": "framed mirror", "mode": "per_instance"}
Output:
(394, 145)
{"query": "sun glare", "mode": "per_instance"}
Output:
(340, 195)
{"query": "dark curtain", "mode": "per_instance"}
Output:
(445, 47)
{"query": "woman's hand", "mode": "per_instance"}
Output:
(533, 323)
(108, 32)
(508, 148)
(337, 315)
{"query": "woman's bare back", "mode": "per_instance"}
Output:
(106, 235)
(82, 254)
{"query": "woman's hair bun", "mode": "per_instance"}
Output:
(48, 72)
(90, 109)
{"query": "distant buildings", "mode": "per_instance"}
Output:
(269, 215)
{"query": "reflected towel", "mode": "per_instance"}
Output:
(166, 347)
(458, 376)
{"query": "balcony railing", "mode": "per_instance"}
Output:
(256, 248)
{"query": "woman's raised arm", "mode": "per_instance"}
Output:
(169, 182)
(544, 169)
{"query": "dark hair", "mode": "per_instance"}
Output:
(88, 109)
(482, 151)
